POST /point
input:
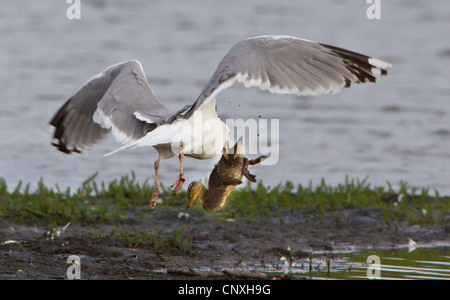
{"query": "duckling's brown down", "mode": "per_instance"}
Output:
(226, 175)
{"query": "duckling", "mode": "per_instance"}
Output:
(224, 178)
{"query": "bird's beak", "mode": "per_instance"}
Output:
(192, 193)
(191, 200)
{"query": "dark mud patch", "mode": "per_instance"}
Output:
(243, 248)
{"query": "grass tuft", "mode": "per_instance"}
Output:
(127, 198)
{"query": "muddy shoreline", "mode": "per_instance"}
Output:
(243, 248)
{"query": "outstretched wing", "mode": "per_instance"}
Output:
(290, 65)
(118, 100)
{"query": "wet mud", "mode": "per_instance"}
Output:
(244, 248)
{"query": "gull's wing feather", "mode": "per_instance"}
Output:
(118, 100)
(290, 65)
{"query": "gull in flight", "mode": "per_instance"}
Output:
(120, 101)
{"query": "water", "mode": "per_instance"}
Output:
(395, 130)
(423, 263)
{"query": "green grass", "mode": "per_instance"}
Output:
(127, 198)
(180, 240)
(90, 203)
(417, 207)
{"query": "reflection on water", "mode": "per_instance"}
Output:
(422, 263)
(397, 129)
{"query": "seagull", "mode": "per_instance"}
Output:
(119, 101)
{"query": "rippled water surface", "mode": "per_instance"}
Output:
(425, 263)
(397, 129)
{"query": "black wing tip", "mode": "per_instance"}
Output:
(58, 123)
(362, 66)
(361, 74)
(62, 147)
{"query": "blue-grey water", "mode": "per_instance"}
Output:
(397, 129)
(394, 264)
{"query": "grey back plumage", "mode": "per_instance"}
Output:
(118, 100)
